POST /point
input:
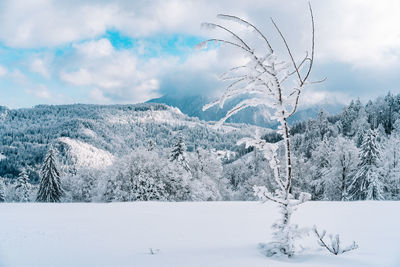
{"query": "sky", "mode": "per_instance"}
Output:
(106, 52)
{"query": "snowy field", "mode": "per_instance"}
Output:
(201, 234)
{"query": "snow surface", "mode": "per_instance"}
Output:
(206, 234)
(2, 156)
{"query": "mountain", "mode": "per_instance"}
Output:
(91, 135)
(192, 106)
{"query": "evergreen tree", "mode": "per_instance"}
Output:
(367, 183)
(178, 153)
(23, 187)
(392, 163)
(2, 191)
(50, 185)
(343, 163)
(321, 162)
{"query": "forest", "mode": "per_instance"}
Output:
(154, 152)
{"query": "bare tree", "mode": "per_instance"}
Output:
(265, 80)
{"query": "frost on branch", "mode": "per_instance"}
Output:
(334, 246)
(274, 82)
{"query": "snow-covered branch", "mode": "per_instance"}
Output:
(334, 246)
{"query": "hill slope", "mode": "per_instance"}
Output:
(114, 130)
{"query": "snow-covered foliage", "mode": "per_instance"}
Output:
(79, 132)
(268, 80)
(334, 246)
(330, 141)
(82, 155)
(50, 189)
(368, 180)
(2, 190)
(23, 188)
(178, 153)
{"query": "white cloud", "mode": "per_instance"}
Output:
(39, 91)
(31, 23)
(311, 97)
(364, 34)
(361, 33)
(100, 48)
(3, 71)
(116, 74)
(39, 66)
(98, 97)
(79, 77)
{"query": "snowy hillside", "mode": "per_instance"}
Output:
(197, 234)
(113, 130)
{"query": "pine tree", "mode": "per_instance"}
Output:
(2, 191)
(321, 162)
(23, 187)
(178, 153)
(367, 183)
(343, 163)
(50, 185)
(392, 162)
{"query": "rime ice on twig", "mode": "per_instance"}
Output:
(264, 80)
(334, 246)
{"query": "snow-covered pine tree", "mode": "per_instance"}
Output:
(343, 164)
(50, 189)
(367, 182)
(265, 80)
(392, 162)
(23, 187)
(2, 190)
(320, 164)
(178, 153)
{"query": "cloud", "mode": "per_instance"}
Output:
(98, 97)
(117, 76)
(39, 66)
(42, 23)
(311, 97)
(3, 71)
(360, 34)
(39, 91)
(364, 34)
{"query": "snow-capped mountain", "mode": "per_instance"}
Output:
(192, 106)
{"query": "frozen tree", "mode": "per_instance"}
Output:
(391, 161)
(2, 190)
(343, 164)
(206, 180)
(178, 153)
(23, 187)
(145, 175)
(321, 163)
(265, 80)
(50, 189)
(367, 182)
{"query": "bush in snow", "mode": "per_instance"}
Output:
(334, 246)
(265, 80)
